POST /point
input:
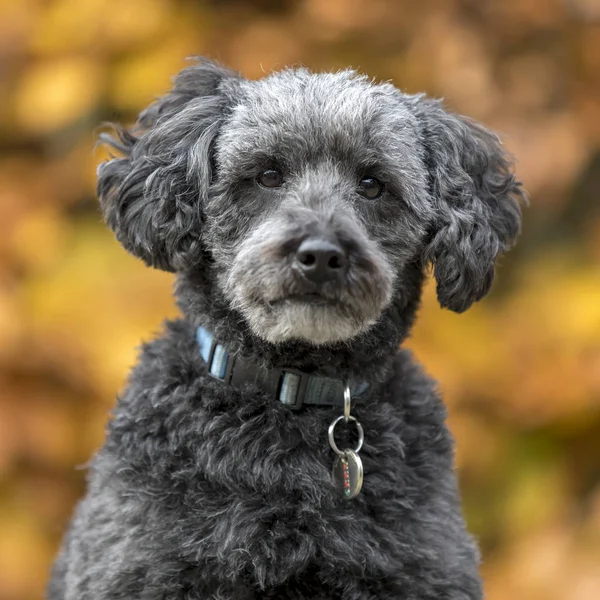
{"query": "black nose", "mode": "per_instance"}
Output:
(320, 260)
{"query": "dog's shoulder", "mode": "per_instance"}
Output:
(168, 360)
(411, 387)
(164, 380)
(172, 352)
(416, 399)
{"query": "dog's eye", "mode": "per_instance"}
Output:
(270, 178)
(369, 187)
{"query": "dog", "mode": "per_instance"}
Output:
(300, 213)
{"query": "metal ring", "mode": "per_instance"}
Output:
(347, 403)
(361, 434)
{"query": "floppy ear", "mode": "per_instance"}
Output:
(476, 203)
(152, 196)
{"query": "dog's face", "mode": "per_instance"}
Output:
(310, 195)
(312, 220)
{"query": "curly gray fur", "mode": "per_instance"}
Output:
(205, 491)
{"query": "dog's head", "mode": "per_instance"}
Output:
(310, 198)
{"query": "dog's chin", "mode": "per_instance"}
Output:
(313, 319)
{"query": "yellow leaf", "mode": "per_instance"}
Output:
(37, 239)
(23, 555)
(66, 25)
(139, 79)
(53, 94)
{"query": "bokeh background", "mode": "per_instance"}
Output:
(520, 371)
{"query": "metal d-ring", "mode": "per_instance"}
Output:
(347, 403)
(361, 434)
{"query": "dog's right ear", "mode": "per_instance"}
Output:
(152, 196)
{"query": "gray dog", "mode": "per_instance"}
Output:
(300, 214)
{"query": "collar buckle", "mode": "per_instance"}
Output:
(292, 388)
(220, 363)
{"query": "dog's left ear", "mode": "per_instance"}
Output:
(476, 203)
(152, 196)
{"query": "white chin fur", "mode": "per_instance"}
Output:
(316, 324)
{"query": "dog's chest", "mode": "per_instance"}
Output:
(265, 490)
(252, 491)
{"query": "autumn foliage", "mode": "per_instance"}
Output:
(520, 371)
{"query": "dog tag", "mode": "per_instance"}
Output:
(348, 473)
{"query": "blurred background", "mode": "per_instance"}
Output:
(520, 371)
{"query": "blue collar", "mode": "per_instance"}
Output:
(291, 387)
